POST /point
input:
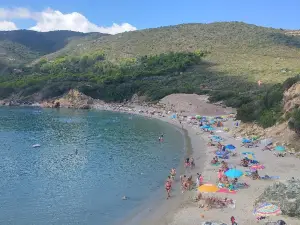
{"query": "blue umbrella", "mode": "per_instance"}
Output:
(210, 128)
(280, 148)
(205, 127)
(230, 147)
(246, 140)
(233, 173)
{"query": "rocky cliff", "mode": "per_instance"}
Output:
(73, 99)
(291, 98)
(285, 194)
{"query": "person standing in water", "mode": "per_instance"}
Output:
(173, 173)
(168, 187)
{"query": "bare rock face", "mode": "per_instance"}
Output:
(73, 99)
(286, 194)
(291, 97)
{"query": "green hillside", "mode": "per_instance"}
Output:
(237, 49)
(24, 46)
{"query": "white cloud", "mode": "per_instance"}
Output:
(7, 25)
(15, 13)
(49, 20)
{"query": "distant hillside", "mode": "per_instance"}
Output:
(23, 46)
(237, 49)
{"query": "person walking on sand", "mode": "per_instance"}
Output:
(201, 179)
(168, 187)
(233, 222)
(192, 163)
(198, 180)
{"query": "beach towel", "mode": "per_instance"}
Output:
(227, 191)
(266, 177)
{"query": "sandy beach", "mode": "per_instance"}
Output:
(181, 209)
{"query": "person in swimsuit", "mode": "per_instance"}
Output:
(187, 162)
(168, 186)
(173, 173)
(201, 179)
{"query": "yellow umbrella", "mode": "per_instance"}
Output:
(208, 188)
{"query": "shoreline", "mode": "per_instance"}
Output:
(160, 210)
(182, 209)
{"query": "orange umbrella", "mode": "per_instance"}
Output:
(208, 188)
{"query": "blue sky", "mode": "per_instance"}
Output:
(154, 13)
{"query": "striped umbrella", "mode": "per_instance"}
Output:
(267, 209)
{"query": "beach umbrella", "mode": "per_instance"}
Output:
(267, 209)
(210, 128)
(249, 157)
(245, 140)
(230, 147)
(208, 188)
(280, 148)
(198, 117)
(205, 127)
(233, 173)
(248, 153)
(216, 137)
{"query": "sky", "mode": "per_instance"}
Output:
(117, 16)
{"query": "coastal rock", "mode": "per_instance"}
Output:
(291, 97)
(285, 194)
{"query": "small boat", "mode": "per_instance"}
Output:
(36, 145)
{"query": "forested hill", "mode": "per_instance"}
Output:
(24, 46)
(225, 60)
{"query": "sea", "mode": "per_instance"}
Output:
(85, 163)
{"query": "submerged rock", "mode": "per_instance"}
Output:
(284, 194)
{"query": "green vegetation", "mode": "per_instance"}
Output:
(154, 76)
(24, 46)
(266, 108)
(248, 52)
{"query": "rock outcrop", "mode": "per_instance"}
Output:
(291, 97)
(73, 99)
(284, 194)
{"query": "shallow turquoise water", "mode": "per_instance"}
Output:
(117, 155)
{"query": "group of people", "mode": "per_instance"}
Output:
(186, 182)
(189, 162)
(168, 184)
